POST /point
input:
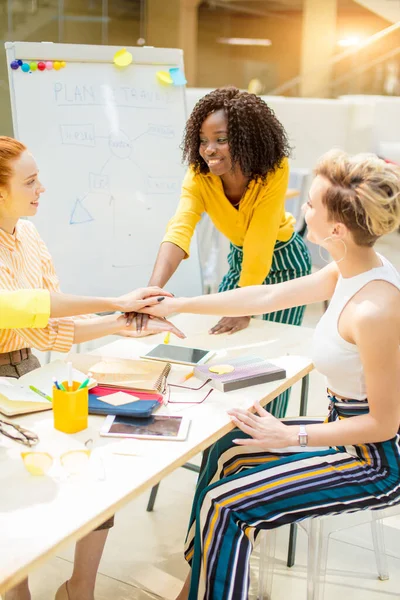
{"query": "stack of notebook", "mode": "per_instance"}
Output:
(144, 375)
(226, 375)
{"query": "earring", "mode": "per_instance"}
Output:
(338, 240)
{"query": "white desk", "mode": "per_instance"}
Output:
(41, 515)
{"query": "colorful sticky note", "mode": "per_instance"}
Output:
(123, 58)
(221, 369)
(164, 77)
(177, 76)
(118, 399)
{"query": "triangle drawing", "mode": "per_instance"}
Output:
(80, 214)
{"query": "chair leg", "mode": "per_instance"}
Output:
(266, 567)
(152, 499)
(378, 541)
(305, 384)
(291, 555)
(317, 559)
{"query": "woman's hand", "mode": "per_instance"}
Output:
(266, 431)
(140, 298)
(153, 326)
(164, 308)
(230, 325)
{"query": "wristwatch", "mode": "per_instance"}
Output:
(303, 436)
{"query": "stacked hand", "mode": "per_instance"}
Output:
(140, 298)
(171, 305)
(153, 326)
(266, 431)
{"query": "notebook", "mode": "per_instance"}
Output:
(17, 398)
(144, 375)
(143, 404)
(236, 373)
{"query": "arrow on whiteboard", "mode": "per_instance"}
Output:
(80, 214)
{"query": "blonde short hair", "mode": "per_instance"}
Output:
(364, 194)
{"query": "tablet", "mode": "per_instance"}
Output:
(156, 427)
(179, 354)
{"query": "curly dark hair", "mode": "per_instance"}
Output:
(257, 140)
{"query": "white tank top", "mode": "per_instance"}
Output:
(335, 358)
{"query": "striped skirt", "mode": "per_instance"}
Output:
(290, 260)
(242, 491)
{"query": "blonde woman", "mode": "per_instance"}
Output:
(245, 487)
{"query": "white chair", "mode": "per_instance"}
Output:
(299, 179)
(319, 531)
(209, 248)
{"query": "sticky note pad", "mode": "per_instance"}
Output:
(177, 76)
(221, 369)
(164, 77)
(118, 399)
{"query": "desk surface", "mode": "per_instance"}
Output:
(40, 515)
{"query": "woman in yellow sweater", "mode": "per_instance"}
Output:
(238, 173)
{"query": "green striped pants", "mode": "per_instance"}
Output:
(290, 260)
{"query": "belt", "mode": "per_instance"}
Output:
(16, 357)
(336, 395)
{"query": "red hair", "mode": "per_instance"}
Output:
(10, 150)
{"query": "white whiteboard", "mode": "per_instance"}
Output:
(106, 141)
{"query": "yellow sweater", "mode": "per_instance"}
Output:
(24, 309)
(256, 225)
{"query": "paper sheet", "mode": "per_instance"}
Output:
(118, 399)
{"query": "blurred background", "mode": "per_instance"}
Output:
(301, 48)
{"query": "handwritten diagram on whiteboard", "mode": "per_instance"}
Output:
(107, 145)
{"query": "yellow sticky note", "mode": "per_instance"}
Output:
(221, 369)
(123, 58)
(164, 77)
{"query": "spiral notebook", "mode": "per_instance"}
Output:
(236, 373)
(143, 375)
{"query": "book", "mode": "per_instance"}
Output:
(17, 398)
(142, 375)
(237, 373)
(123, 402)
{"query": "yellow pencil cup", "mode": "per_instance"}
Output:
(70, 409)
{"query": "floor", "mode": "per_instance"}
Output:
(145, 549)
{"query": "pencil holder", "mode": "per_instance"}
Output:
(70, 409)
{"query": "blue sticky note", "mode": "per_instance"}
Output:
(178, 78)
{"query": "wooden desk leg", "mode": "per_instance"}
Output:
(293, 527)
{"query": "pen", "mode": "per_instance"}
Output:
(69, 365)
(59, 386)
(34, 389)
(167, 336)
(188, 376)
(85, 383)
